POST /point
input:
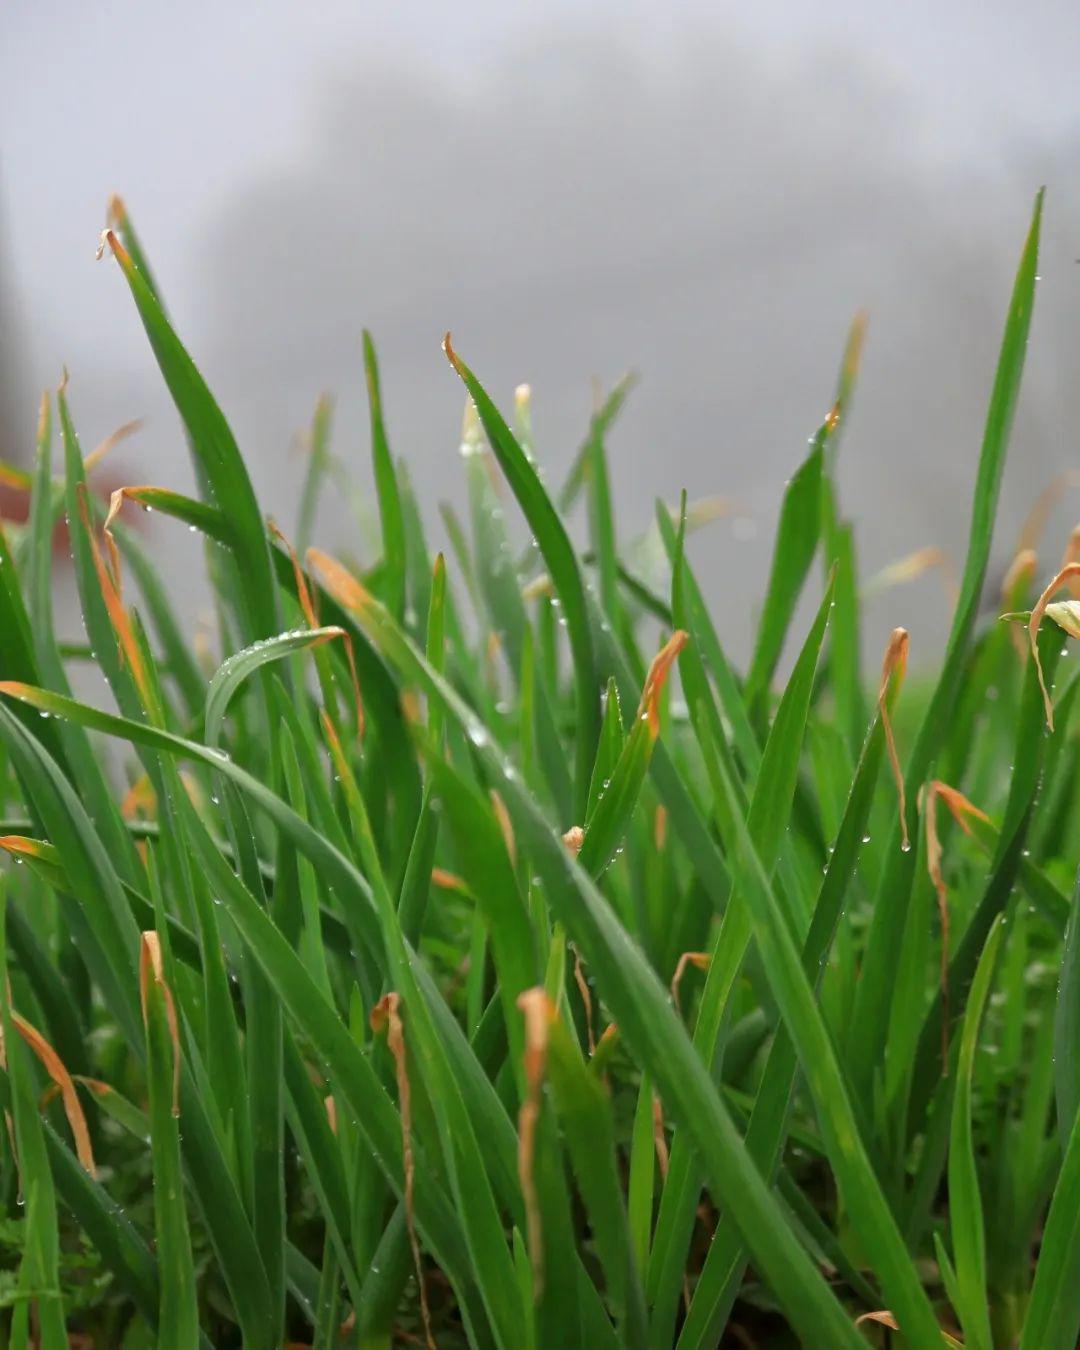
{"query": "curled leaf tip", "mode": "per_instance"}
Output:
(56, 1069)
(538, 1012)
(1061, 617)
(61, 388)
(152, 972)
(894, 664)
(1021, 570)
(573, 839)
(451, 355)
(386, 1015)
(119, 252)
(697, 960)
(657, 676)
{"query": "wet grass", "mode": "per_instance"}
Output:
(475, 954)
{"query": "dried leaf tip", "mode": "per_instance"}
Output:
(116, 212)
(657, 677)
(339, 581)
(94, 458)
(960, 808)
(123, 257)
(386, 1014)
(573, 839)
(152, 972)
(894, 664)
(538, 1011)
(1019, 576)
(1065, 616)
(56, 1069)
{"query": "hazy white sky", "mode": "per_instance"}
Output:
(705, 192)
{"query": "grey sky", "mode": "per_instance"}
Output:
(705, 193)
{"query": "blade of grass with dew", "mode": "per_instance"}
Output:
(585, 1112)
(767, 816)
(223, 475)
(554, 544)
(39, 1273)
(797, 535)
(178, 1317)
(873, 996)
(231, 674)
(318, 453)
(1029, 753)
(720, 1277)
(386, 489)
(965, 1200)
(1067, 1026)
(869, 1211)
(645, 1017)
(108, 940)
(1052, 1321)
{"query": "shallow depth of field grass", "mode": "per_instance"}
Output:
(471, 954)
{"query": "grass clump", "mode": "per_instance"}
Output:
(477, 956)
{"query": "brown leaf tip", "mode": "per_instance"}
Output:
(573, 839)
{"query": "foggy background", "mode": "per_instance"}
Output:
(705, 193)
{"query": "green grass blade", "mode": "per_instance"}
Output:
(554, 544)
(873, 997)
(965, 1200)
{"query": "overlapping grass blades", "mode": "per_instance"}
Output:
(365, 985)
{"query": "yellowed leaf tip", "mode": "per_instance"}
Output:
(1072, 554)
(152, 972)
(1070, 569)
(962, 811)
(447, 881)
(659, 1137)
(140, 800)
(1034, 526)
(109, 239)
(1019, 576)
(505, 826)
(882, 1317)
(698, 960)
(16, 689)
(913, 566)
(654, 681)
(19, 846)
(386, 1015)
(94, 458)
(586, 999)
(894, 666)
(110, 593)
(55, 1068)
(573, 839)
(538, 1012)
(339, 582)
